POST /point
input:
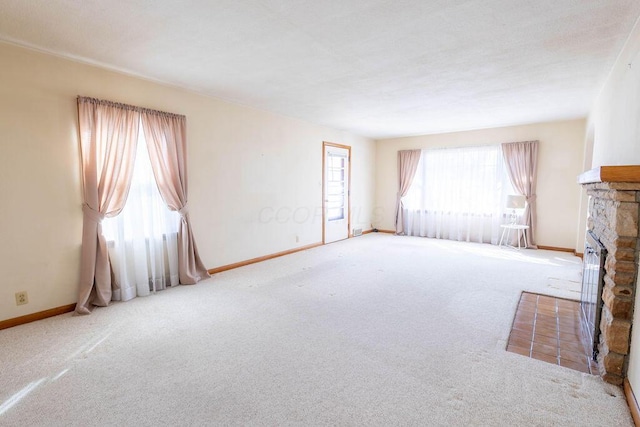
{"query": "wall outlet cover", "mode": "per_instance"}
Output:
(22, 298)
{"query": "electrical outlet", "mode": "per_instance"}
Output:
(22, 298)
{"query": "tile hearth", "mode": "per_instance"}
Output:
(548, 329)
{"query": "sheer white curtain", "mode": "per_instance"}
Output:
(458, 194)
(142, 240)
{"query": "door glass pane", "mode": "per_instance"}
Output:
(335, 214)
(335, 190)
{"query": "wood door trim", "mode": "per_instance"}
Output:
(326, 144)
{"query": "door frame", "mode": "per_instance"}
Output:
(326, 144)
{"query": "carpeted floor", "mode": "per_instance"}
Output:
(376, 330)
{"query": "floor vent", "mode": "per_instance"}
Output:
(357, 232)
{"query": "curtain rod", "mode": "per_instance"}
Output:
(90, 100)
(469, 146)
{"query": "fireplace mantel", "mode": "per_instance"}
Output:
(629, 173)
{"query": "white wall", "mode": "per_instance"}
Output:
(615, 120)
(615, 116)
(242, 163)
(560, 159)
(584, 199)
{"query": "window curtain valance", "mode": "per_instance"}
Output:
(125, 107)
(108, 141)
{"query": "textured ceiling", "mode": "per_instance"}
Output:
(378, 68)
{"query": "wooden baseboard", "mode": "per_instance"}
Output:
(9, 323)
(632, 402)
(262, 258)
(555, 248)
(387, 231)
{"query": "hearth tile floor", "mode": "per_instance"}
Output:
(548, 328)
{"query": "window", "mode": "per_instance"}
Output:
(457, 194)
(142, 257)
(143, 238)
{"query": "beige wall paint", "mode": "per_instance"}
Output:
(615, 120)
(560, 159)
(254, 177)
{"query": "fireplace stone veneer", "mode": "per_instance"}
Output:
(613, 216)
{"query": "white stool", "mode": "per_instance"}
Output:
(506, 228)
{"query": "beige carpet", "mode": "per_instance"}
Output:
(377, 330)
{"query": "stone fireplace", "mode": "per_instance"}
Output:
(613, 217)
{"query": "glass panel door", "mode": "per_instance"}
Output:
(336, 192)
